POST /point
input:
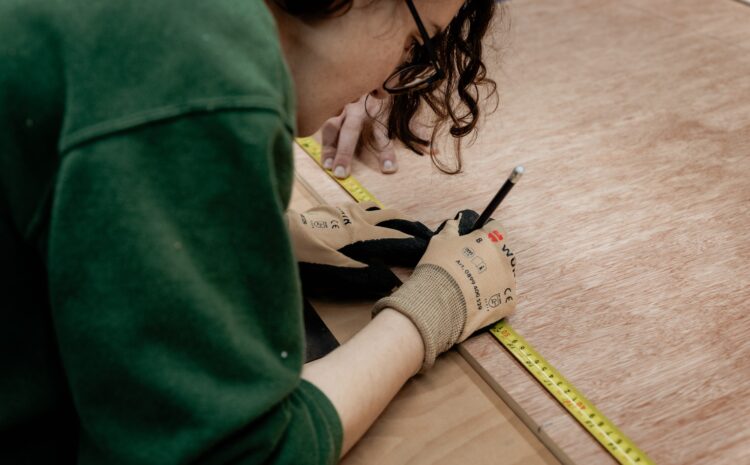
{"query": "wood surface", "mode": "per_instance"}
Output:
(631, 226)
(447, 416)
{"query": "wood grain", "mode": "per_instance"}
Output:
(632, 225)
(447, 416)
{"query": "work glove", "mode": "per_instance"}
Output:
(462, 284)
(348, 250)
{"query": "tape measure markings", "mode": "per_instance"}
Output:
(592, 419)
(582, 409)
(350, 184)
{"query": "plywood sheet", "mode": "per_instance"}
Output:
(632, 225)
(447, 416)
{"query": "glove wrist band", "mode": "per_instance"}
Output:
(433, 301)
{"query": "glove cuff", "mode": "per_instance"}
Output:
(433, 301)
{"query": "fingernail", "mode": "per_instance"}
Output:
(388, 165)
(339, 172)
(328, 163)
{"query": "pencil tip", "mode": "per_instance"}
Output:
(516, 174)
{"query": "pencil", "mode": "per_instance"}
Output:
(515, 175)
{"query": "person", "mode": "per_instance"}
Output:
(151, 299)
(366, 126)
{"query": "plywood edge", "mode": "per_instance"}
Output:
(544, 433)
(306, 190)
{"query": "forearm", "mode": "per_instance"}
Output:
(362, 376)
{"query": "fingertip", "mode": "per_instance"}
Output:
(328, 153)
(387, 154)
(389, 166)
(343, 161)
(341, 172)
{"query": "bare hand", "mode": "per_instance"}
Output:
(342, 137)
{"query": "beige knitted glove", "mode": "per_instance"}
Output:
(319, 234)
(462, 284)
(347, 251)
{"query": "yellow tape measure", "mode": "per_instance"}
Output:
(598, 425)
(350, 184)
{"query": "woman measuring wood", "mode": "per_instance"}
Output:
(151, 301)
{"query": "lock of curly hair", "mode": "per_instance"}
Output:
(456, 100)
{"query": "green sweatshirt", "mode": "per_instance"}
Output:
(150, 306)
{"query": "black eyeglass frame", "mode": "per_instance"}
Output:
(427, 44)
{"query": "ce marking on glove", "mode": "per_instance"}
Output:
(498, 299)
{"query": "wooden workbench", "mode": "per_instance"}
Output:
(632, 226)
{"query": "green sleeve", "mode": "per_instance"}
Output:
(175, 297)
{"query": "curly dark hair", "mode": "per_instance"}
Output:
(455, 101)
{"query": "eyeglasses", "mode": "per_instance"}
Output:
(416, 76)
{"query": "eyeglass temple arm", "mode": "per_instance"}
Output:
(422, 31)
